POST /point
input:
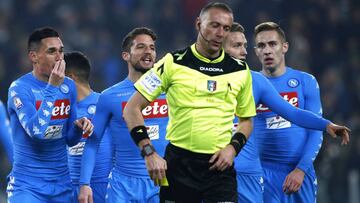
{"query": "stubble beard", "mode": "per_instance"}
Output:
(140, 69)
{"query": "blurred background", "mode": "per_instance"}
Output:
(323, 37)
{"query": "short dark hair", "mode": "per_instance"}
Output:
(218, 5)
(38, 34)
(78, 64)
(128, 39)
(269, 26)
(237, 27)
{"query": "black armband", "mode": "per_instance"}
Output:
(238, 141)
(139, 133)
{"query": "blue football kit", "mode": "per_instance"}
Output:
(285, 146)
(42, 119)
(104, 156)
(247, 164)
(129, 180)
(5, 133)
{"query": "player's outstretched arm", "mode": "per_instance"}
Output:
(335, 130)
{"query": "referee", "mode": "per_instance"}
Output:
(205, 88)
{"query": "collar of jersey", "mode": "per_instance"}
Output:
(203, 58)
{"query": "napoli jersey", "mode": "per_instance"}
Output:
(248, 161)
(281, 141)
(42, 116)
(5, 133)
(104, 156)
(128, 160)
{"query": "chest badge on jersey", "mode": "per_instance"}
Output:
(211, 85)
(64, 88)
(293, 82)
(91, 109)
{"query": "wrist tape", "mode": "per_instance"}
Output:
(139, 133)
(238, 141)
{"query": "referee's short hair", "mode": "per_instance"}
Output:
(128, 39)
(218, 5)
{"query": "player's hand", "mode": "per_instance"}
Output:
(341, 131)
(58, 73)
(156, 166)
(223, 158)
(85, 124)
(293, 181)
(85, 194)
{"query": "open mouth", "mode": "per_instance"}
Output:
(147, 61)
(268, 61)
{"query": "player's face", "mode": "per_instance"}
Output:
(214, 26)
(142, 53)
(236, 44)
(49, 52)
(270, 50)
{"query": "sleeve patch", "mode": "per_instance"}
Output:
(17, 102)
(151, 82)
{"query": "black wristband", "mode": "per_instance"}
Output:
(139, 133)
(238, 141)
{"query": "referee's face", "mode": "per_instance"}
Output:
(142, 53)
(214, 26)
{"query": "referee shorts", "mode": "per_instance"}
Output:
(190, 179)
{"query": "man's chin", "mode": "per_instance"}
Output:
(142, 70)
(271, 69)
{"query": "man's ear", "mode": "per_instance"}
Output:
(33, 56)
(285, 47)
(125, 55)
(198, 23)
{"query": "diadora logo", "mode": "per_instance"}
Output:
(156, 109)
(61, 109)
(211, 69)
(291, 97)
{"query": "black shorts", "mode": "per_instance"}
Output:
(191, 181)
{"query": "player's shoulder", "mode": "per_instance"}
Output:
(234, 63)
(304, 75)
(125, 87)
(256, 74)
(23, 81)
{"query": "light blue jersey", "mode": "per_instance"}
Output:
(247, 163)
(42, 119)
(128, 161)
(285, 146)
(104, 157)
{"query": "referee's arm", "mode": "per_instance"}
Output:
(224, 158)
(155, 164)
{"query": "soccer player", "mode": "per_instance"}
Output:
(5, 133)
(129, 180)
(287, 151)
(205, 87)
(42, 109)
(78, 68)
(247, 165)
